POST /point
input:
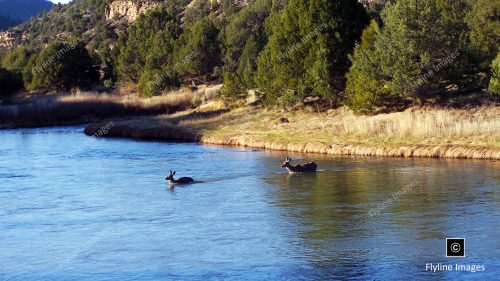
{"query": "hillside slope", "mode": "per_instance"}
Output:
(74, 20)
(97, 22)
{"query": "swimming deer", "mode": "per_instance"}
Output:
(183, 180)
(301, 168)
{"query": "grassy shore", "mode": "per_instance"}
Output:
(86, 107)
(449, 133)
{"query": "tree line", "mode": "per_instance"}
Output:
(384, 57)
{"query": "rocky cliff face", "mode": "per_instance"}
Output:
(368, 3)
(129, 10)
(11, 38)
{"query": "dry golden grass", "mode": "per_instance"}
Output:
(426, 124)
(180, 97)
(450, 133)
(477, 127)
(473, 127)
(87, 106)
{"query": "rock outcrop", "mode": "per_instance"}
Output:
(11, 38)
(129, 10)
(369, 3)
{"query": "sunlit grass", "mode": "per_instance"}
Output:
(438, 126)
(93, 105)
(451, 133)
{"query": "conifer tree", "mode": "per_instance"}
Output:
(307, 52)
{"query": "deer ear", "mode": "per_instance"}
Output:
(174, 173)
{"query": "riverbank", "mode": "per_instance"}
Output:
(447, 133)
(78, 107)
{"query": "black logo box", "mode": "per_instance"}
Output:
(455, 247)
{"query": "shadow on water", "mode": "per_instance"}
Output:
(332, 209)
(324, 206)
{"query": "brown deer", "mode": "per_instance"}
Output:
(301, 168)
(183, 180)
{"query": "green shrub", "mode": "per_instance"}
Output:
(63, 66)
(196, 101)
(155, 81)
(108, 83)
(289, 98)
(494, 86)
(232, 88)
(366, 88)
(17, 59)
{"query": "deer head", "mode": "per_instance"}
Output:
(170, 176)
(286, 163)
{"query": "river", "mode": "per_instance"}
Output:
(78, 208)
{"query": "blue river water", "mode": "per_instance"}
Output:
(77, 208)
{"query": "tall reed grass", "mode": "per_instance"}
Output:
(477, 126)
(425, 124)
(91, 106)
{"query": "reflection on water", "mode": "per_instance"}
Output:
(419, 202)
(107, 213)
